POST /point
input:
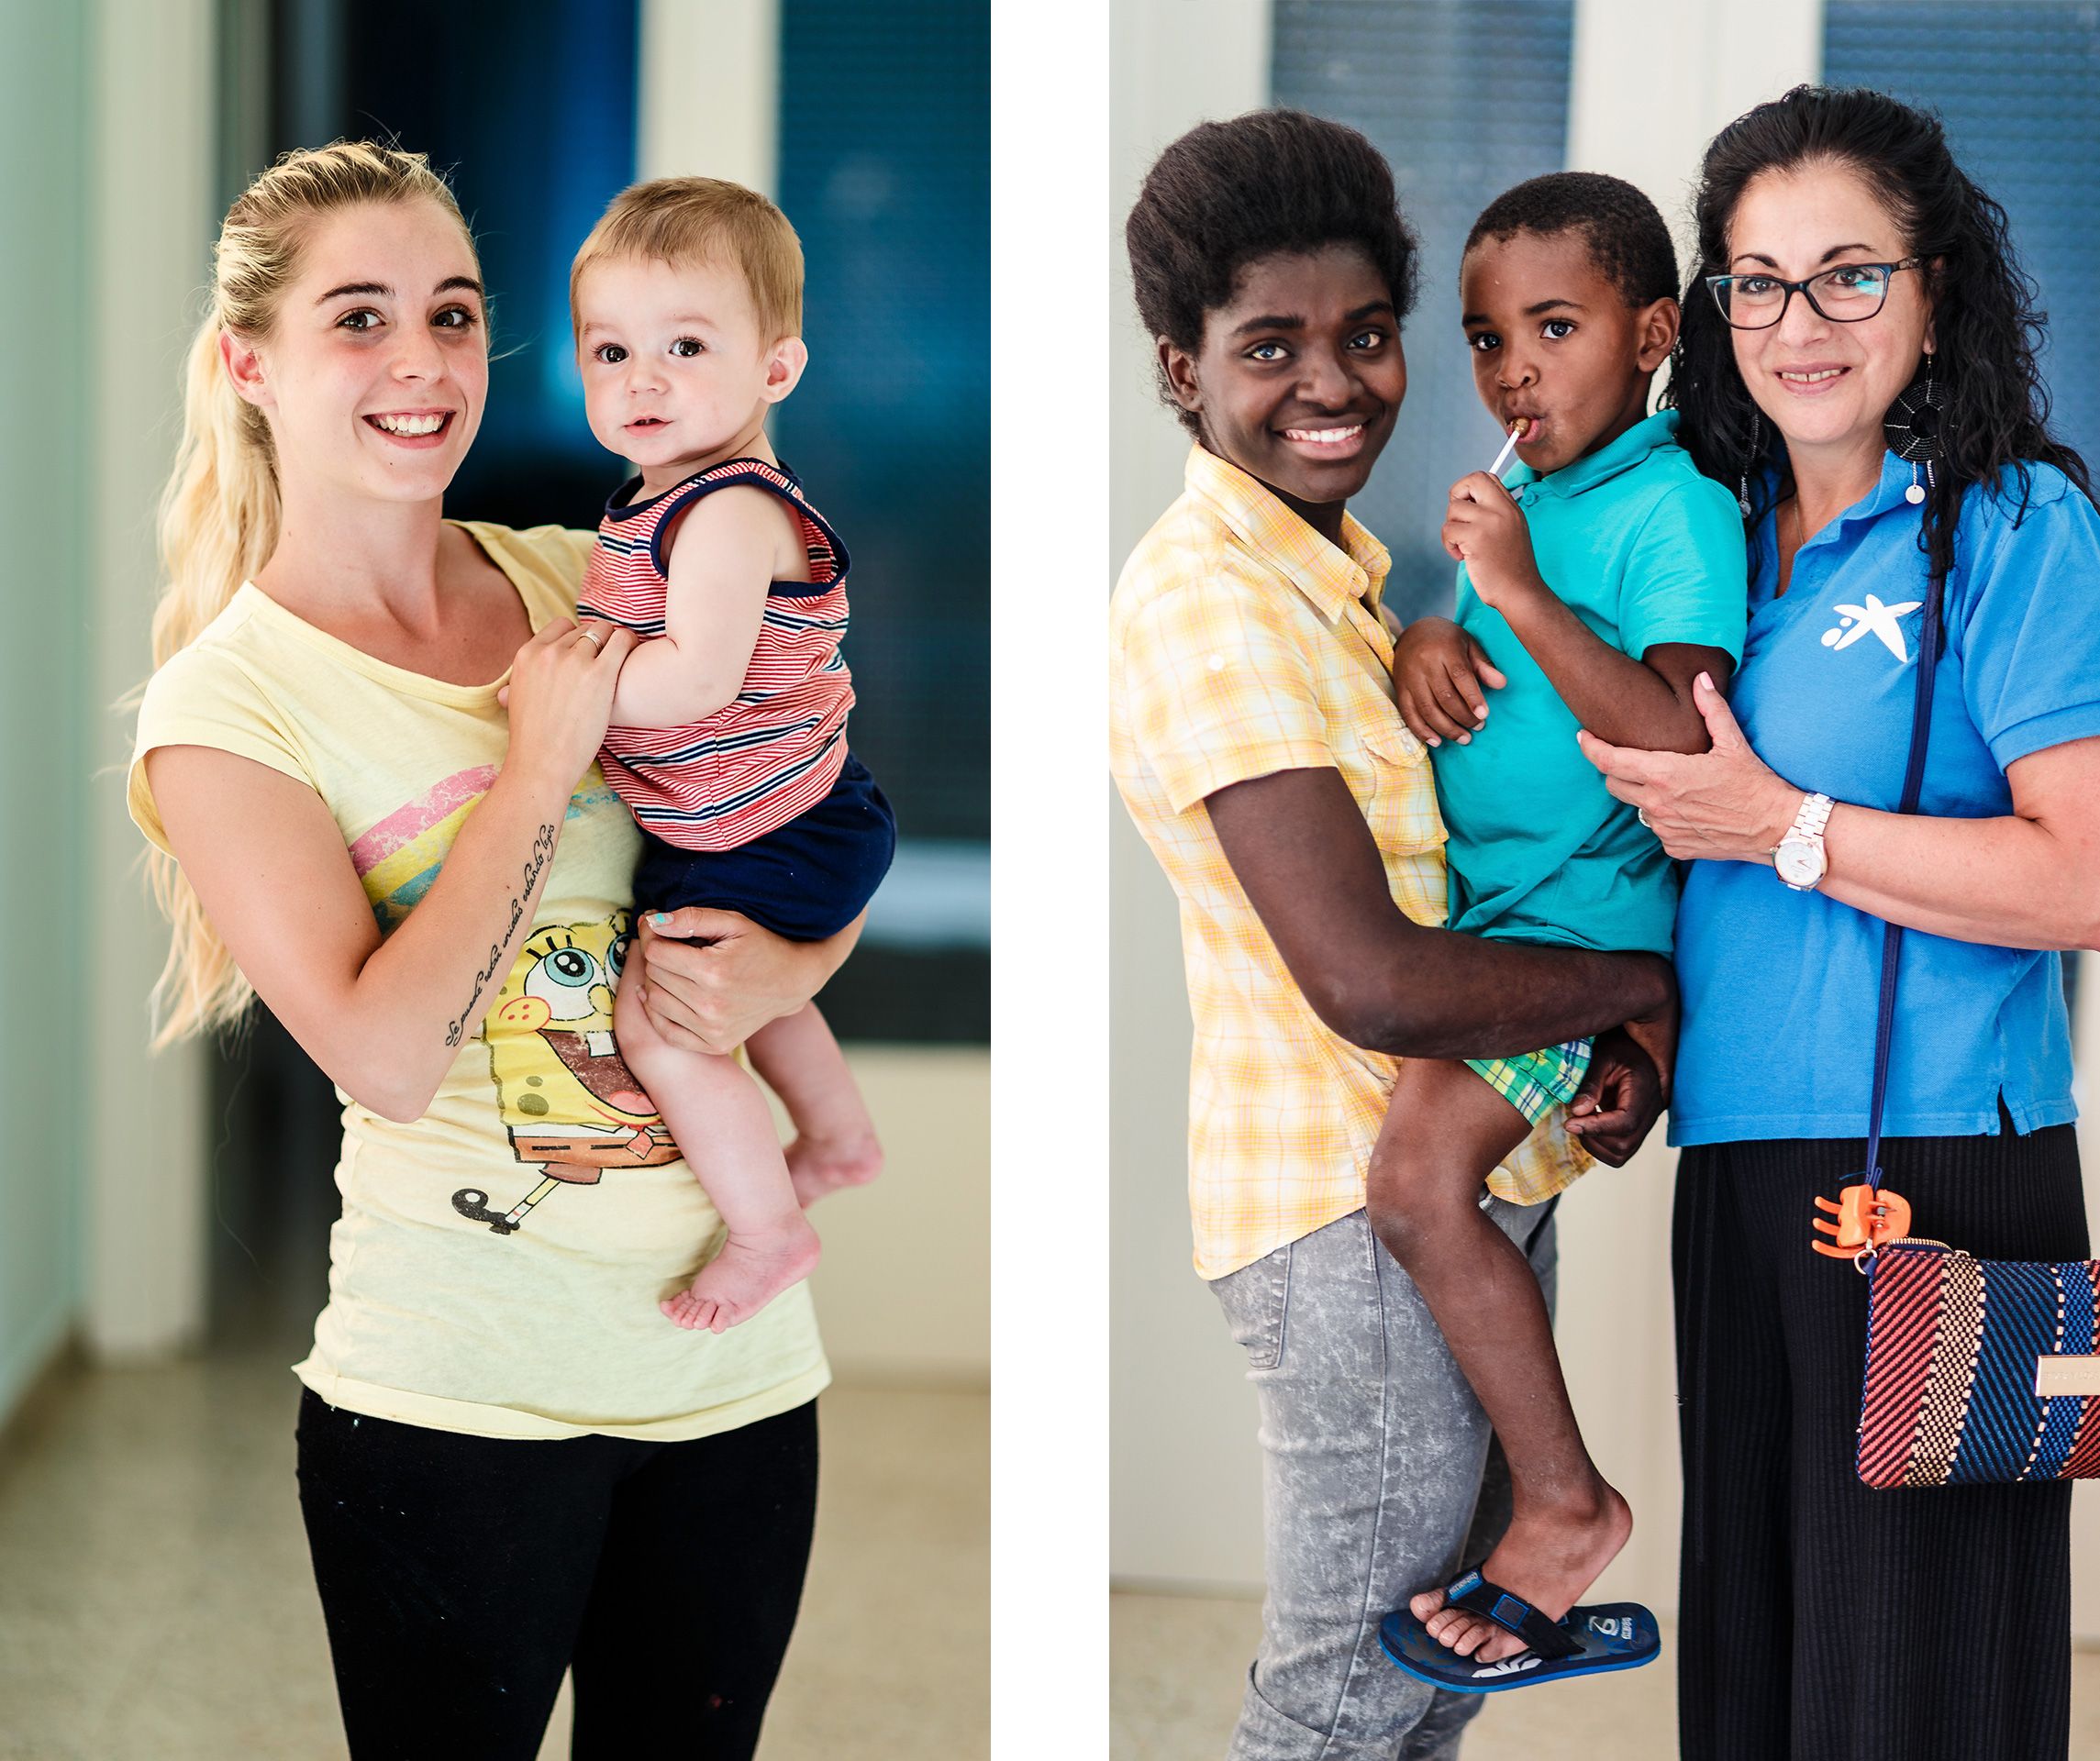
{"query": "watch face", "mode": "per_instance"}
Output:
(1797, 864)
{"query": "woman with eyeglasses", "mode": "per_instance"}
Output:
(1858, 364)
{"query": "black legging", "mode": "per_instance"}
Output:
(1821, 1619)
(460, 1575)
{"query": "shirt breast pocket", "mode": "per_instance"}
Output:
(1387, 770)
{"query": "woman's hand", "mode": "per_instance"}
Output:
(1439, 672)
(560, 696)
(712, 979)
(1726, 805)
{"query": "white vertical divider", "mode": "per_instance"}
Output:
(1184, 1472)
(146, 1148)
(709, 92)
(1051, 1218)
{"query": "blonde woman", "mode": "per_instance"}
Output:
(366, 766)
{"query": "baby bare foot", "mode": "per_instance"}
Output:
(1549, 1558)
(817, 1164)
(754, 1266)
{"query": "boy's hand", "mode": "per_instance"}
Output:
(1485, 529)
(1619, 1101)
(1439, 672)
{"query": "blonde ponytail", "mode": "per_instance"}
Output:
(220, 511)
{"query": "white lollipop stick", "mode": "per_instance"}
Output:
(1508, 447)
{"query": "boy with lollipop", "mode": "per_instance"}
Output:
(1596, 584)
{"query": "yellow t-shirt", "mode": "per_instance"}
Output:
(498, 1263)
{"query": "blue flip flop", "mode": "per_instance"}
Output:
(1592, 1641)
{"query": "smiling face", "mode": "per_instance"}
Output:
(1299, 376)
(1556, 346)
(374, 375)
(677, 372)
(551, 1050)
(1827, 387)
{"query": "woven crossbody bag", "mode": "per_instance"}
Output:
(1979, 1371)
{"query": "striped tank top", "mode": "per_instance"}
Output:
(776, 751)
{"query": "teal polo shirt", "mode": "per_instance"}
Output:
(1644, 551)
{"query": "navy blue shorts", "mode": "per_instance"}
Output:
(805, 879)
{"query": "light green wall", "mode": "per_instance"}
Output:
(47, 361)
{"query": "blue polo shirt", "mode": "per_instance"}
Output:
(1781, 987)
(1644, 551)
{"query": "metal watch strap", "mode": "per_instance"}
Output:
(1806, 834)
(1814, 816)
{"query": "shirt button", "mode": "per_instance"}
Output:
(1215, 663)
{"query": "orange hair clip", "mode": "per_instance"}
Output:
(1867, 1216)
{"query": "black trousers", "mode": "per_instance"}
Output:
(1820, 1619)
(460, 1575)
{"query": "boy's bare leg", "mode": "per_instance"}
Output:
(725, 1130)
(834, 1142)
(1444, 1131)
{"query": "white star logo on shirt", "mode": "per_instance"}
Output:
(1872, 618)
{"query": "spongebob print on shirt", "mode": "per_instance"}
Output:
(570, 1105)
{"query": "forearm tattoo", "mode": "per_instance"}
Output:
(535, 866)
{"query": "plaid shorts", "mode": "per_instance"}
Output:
(1538, 1081)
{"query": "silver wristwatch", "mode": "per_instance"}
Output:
(1799, 859)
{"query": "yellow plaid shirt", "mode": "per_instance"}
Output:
(1242, 643)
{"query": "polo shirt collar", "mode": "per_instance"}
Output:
(1333, 579)
(1614, 460)
(1886, 496)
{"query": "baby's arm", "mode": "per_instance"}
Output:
(725, 553)
(1647, 700)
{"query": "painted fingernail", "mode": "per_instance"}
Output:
(660, 918)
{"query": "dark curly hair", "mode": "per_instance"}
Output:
(1628, 242)
(1986, 323)
(1228, 194)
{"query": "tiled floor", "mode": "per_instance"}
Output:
(1179, 1661)
(155, 1599)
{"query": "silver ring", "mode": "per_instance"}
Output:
(596, 642)
(1641, 814)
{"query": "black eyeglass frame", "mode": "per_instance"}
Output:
(1718, 286)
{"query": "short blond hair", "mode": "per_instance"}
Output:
(688, 220)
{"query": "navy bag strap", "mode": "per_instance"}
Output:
(1892, 938)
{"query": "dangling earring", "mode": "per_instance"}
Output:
(1742, 486)
(1912, 429)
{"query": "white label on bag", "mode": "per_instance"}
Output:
(2054, 1375)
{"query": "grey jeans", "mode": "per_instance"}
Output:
(1376, 1484)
